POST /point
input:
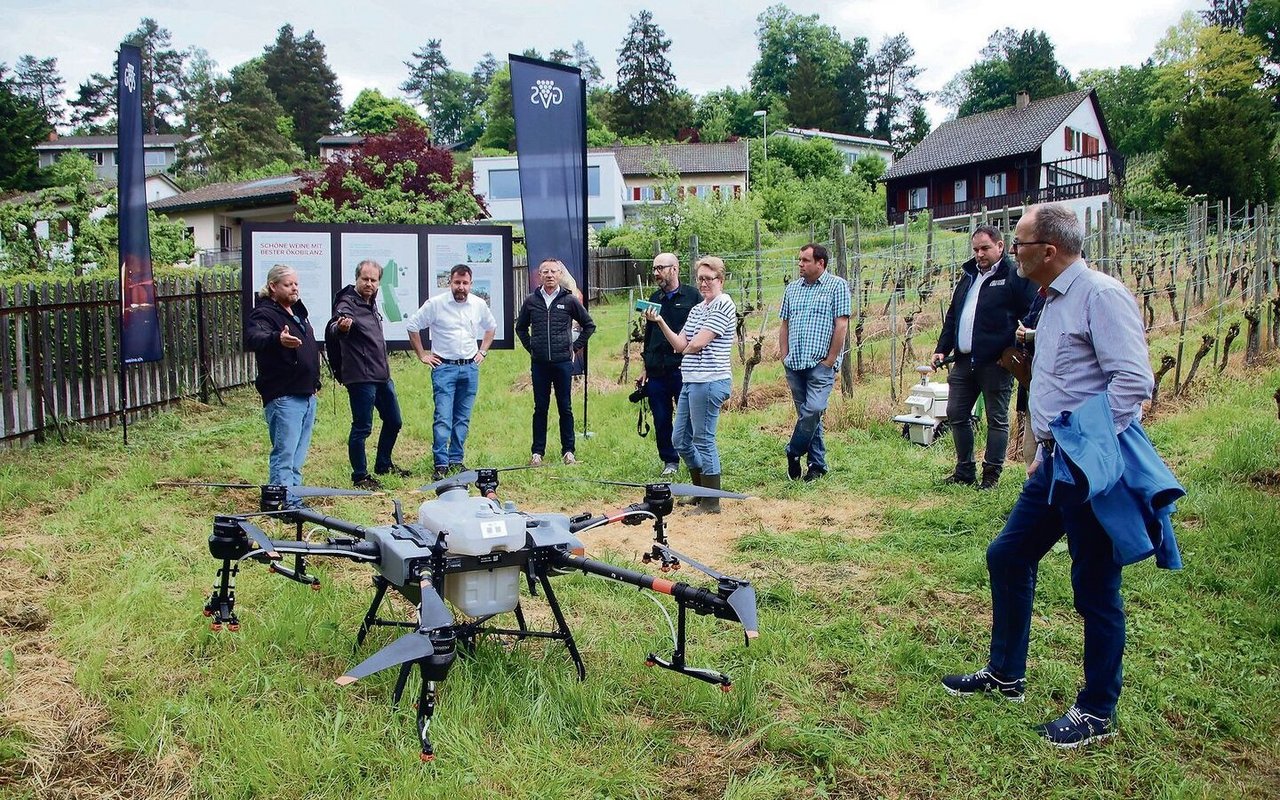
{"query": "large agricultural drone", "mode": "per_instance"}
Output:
(470, 550)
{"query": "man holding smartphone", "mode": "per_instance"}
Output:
(660, 378)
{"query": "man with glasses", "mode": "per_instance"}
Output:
(815, 320)
(989, 301)
(661, 376)
(1091, 359)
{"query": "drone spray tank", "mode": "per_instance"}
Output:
(477, 526)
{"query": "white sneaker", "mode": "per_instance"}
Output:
(569, 459)
(535, 460)
(670, 469)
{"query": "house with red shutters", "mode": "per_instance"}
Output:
(1036, 151)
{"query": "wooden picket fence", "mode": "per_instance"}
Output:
(60, 361)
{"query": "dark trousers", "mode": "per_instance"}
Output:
(546, 376)
(1012, 560)
(365, 397)
(965, 382)
(663, 391)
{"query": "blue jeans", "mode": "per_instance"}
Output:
(289, 423)
(965, 381)
(663, 391)
(454, 387)
(697, 414)
(365, 397)
(545, 376)
(1012, 559)
(810, 389)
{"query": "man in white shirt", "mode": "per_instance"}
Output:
(457, 320)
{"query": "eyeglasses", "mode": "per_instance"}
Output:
(1016, 244)
(661, 267)
(708, 278)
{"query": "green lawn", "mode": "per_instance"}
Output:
(872, 584)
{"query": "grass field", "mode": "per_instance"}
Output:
(872, 584)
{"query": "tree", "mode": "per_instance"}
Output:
(500, 125)
(252, 128)
(375, 113)
(22, 127)
(396, 178)
(808, 159)
(1222, 148)
(583, 60)
(1262, 22)
(1227, 13)
(784, 38)
(444, 93)
(297, 72)
(1128, 95)
(1011, 62)
(94, 108)
(39, 81)
(812, 101)
(646, 84)
(894, 96)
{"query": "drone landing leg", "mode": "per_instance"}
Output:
(222, 602)
(562, 627)
(677, 662)
(426, 708)
(380, 585)
(400, 682)
(520, 619)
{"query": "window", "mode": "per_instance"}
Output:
(737, 191)
(1089, 146)
(98, 157)
(962, 191)
(224, 238)
(635, 193)
(154, 158)
(917, 198)
(995, 185)
(504, 184)
(593, 181)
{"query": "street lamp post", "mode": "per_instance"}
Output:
(763, 114)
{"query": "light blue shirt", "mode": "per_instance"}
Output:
(1089, 340)
(811, 310)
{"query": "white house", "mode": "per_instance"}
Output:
(1052, 150)
(159, 152)
(497, 180)
(705, 170)
(851, 147)
(213, 213)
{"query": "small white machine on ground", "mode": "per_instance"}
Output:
(928, 404)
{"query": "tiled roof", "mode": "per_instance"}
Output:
(685, 159)
(74, 142)
(334, 138)
(260, 191)
(982, 137)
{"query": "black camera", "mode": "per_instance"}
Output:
(637, 395)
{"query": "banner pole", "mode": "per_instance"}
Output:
(586, 265)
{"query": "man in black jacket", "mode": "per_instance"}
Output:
(367, 375)
(545, 328)
(988, 302)
(661, 376)
(280, 335)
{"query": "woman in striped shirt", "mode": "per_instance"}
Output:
(706, 342)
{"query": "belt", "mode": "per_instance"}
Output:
(1049, 445)
(458, 362)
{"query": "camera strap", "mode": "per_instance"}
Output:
(642, 421)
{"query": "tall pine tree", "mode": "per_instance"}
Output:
(298, 74)
(22, 127)
(38, 80)
(446, 94)
(646, 84)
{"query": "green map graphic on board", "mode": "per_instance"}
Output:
(390, 281)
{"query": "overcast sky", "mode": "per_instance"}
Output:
(713, 43)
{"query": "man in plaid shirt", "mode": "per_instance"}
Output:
(815, 321)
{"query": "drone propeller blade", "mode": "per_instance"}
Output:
(743, 602)
(260, 538)
(463, 479)
(690, 490)
(327, 491)
(703, 568)
(432, 612)
(198, 484)
(410, 647)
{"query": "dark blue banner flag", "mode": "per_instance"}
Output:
(549, 105)
(139, 321)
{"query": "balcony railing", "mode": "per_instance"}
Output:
(1065, 179)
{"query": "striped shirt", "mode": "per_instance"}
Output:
(811, 310)
(1089, 340)
(712, 362)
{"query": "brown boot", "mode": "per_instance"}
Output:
(695, 477)
(709, 505)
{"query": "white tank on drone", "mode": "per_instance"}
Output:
(477, 526)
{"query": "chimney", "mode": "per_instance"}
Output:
(1024, 100)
